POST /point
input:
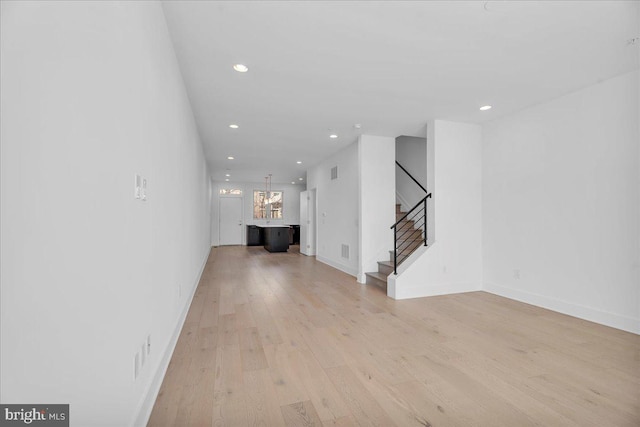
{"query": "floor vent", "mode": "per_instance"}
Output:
(334, 172)
(345, 251)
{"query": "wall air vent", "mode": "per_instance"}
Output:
(345, 251)
(334, 172)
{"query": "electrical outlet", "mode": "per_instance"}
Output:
(143, 352)
(516, 274)
(444, 269)
(149, 344)
(143, 190)
(137, 186)
(136, 366)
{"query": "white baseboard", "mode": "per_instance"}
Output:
(345, 268)
(613, 320)
(145, 407)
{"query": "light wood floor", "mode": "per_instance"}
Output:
(281, 339)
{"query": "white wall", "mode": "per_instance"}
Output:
(561, 204)
(453, 261)
(377, 198)
(337, 206)
(411, 153)
(91, 95)
(290, 212)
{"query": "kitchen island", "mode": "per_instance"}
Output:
(276, 237)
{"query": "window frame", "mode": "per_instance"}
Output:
(268, 212)
(221, 194)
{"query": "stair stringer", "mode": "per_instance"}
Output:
(391, 280)
(427, 275)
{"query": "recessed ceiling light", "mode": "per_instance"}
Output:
(227, 174)
(230, 158)
(227, 179)
(233, 126)
(299, 162)
(333, 136)
(485, 108)
(241, 68)
(299, 179)
(293, 182)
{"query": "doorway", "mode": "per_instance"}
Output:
(230, 214)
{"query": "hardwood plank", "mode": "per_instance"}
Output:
(253, 357)
(432, 408)
(210, 310)
(267, 328)
(365, 409)
(201, 400)
(226, 302)
(390, 399)
(244, 317)
(323, 394)
(300, 414)
(262, 404)
(229, 400)
(323, 346)
(187, 341)
(281, 339)
(340, 422)
(228, 330)
(289, 387)
(207, 338)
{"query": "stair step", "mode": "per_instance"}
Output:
(385, 267)
(401, 258)
(377, 279)
(409, 239)
(405, 250)
(405, 224)
(413, 234)
(405, 245)
(416, 241)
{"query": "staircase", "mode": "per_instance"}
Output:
(411, 238)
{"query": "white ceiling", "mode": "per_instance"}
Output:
(321, 67)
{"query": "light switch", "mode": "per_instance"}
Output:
(143, 194)
(137, 186)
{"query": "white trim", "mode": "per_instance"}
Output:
(345, 268)
(143, 412)
(613, 320)
(412, 258)
(230, 195)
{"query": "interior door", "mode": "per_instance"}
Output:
(230, 221)
(312, 241)
(308, 222)
(304, 226)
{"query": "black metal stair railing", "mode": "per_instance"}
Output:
(410, 231)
